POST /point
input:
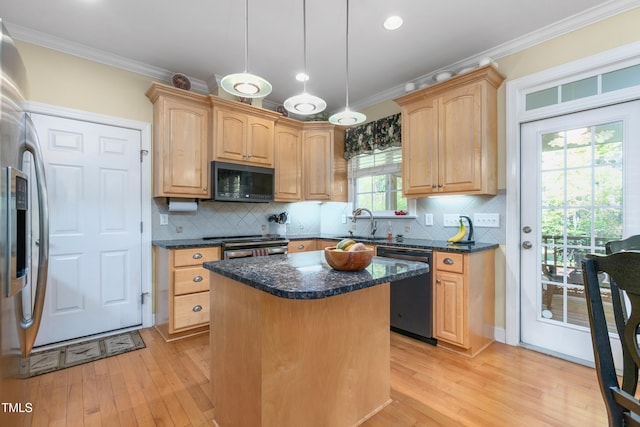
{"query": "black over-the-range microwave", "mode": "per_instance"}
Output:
(232, 182)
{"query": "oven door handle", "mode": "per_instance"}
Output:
(241, 253)
(278, 250)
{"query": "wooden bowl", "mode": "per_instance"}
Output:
(348, 261)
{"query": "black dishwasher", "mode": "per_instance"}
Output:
(411, 311)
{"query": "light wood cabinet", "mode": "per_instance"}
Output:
(464, 300)
(181, 138)
(339, 187)
(449, 135)
(324, 167)
(317, 148)
(243, 134)
(288, 160)
(182, 290)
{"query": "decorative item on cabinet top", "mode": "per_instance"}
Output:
(181, 81)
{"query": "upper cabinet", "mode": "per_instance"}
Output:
(339, 168)
(288, 160)
(324, 166)
(181, 138)
(243, 134)
(190, 130)
(449, 136)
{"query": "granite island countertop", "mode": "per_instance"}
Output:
(307, 275)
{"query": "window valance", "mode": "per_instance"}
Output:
(379, 134)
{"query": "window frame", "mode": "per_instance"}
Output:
(387, 169)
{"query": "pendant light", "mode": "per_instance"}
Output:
(305, 103)
(347, 117)
(245, 84)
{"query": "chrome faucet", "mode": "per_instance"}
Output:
(372, 224)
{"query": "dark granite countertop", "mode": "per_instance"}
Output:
(439, 245)
(307, 275)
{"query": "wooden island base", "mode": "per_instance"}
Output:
(280, 362)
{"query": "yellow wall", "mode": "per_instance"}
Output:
(69, 81)
(72, 82)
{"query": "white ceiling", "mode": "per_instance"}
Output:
(205, 39)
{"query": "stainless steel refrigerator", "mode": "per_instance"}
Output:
(24, 234)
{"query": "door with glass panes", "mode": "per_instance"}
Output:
(580, 187)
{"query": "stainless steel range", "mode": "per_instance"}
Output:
(250, 246)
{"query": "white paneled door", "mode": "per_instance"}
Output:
(94, 180)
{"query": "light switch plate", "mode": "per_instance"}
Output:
(428, 219)
(164, 219)
(451, 220)
(486, 220)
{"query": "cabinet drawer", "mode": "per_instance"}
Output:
(449, 261)
(195, 256)
(302, 246)
(190, 310)
(188, 280)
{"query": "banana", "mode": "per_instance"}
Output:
(462, 231)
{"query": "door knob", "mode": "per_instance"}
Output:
(526, 229)
(527, 244)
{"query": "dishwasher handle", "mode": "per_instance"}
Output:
(408, 257)
(405, 254)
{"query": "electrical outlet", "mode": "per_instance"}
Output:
(407, 229)
(164, 219)
(428, 219)
(486, 220)
(451, 220)
(343, 219)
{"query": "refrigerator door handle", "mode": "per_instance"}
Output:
(30, 326)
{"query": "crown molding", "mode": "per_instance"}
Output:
(48, 41)
(590, 16)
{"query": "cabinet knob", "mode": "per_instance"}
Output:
(448, 261)
(433, 186)
(438, 281)
(300, 246)
(197, 279)
(440, 185)
(197, 255)
(197, 308)
(204, 188)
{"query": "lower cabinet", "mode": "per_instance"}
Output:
(464, 300)
(182, 290)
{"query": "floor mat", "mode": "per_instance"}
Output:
(39, 363)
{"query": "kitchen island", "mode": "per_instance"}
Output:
(296, 343)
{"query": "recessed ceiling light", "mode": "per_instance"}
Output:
(302, 77)
(393, 23)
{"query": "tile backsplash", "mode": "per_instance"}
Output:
(226, 218)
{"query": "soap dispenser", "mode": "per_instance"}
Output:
(389, 231)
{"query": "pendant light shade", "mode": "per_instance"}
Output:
(305, 103)
(246, 84)
(347, 117)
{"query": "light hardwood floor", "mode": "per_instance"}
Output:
(167, 384)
